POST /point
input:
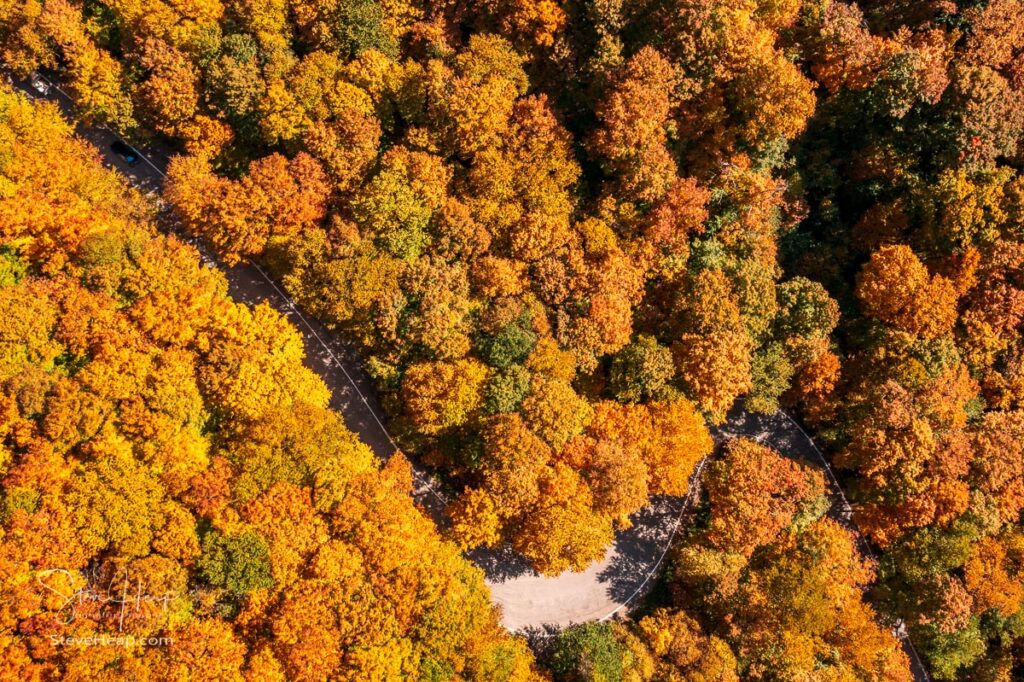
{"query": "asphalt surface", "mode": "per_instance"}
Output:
(335, 361)
(784, 434)
(530, 603)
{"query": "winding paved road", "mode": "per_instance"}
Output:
(531, 603)
(334, 361)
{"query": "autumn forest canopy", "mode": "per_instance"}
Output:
(569, 239)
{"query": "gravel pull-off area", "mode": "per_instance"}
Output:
(534, 603)
(530, 603)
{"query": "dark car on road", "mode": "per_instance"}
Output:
(122, 149)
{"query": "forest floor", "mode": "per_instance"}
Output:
(530, 603)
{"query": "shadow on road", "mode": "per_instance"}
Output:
(500, 564)
(638, 549)
(637, 552)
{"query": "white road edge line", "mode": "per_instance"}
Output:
(428, 484)
(291, 304)
(104, 126)
(695, 477)
(900, 633)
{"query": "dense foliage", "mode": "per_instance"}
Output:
(915, 223)
(549, 300)
(776, 587)
(568, 234)
(171, 473)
